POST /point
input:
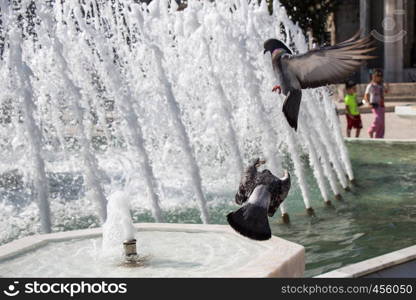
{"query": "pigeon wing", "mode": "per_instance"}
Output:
(247, 183)
(279, 190)
(331, 64)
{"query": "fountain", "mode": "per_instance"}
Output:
(116, 107)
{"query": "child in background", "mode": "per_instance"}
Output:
(351, 109)
(374, 95)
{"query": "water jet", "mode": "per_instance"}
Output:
(122, 106)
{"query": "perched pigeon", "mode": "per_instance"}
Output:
(318, 67)
(261, 193)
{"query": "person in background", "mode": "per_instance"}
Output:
(351, 109)
(374, 96)
(315, 43)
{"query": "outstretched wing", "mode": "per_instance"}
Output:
(247, 182)
(331, 64)
(279, 190)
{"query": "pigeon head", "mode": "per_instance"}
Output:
(273, 44)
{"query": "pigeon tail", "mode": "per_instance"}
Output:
(251, 221)
(291, 108)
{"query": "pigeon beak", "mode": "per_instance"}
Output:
(264, 51)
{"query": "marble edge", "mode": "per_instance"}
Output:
(180, 227)
(280, 253)
(386, 141)
(22, 245)
(265, 265)
(374, 264)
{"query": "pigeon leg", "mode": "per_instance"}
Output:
(277, 87)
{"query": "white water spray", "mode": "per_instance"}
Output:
(24, 88)
(165, 72)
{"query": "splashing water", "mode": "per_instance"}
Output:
(165, 106)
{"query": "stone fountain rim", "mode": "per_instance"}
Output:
(273, 262)
(373, 265)
(381, 141)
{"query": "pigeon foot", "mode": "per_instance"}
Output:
(277, 87)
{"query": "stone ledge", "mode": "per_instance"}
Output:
(373, 265)
(21, 246)
(366, 110)
(281, 258)
(386, 141)
(406, 111)
(397, 91)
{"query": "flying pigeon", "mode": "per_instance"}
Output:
(261, 193)
(315, 68)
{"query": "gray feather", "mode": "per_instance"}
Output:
(278, 187)
(329, 65)
(251, 219)
(291, 107)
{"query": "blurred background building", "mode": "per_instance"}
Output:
(391, 23)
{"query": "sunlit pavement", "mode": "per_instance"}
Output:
(396, 127)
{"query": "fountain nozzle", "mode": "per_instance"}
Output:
(130, 251)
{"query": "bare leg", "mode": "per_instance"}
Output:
(348, 132)
(357, 133)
